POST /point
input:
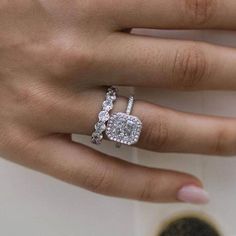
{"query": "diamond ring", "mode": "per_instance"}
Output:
(104, 116)
(124, 128)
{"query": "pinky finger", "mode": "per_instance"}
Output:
(77, 164)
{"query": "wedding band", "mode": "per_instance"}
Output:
(124, 128)
(104, 116)
(130, 105)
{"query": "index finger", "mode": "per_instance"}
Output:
(187, 14)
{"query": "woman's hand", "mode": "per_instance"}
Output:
(55, 58)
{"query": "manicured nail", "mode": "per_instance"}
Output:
(193, 194)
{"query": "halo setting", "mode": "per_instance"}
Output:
(123, 128)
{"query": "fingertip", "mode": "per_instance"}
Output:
(193, 194)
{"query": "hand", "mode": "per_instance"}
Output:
(55, 58)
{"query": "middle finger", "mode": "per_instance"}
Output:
(132, 60)
(175, 14)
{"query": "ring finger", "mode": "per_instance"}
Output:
(164, 130)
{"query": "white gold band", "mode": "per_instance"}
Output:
(104, 116)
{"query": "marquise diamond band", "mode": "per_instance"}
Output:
(104, 116)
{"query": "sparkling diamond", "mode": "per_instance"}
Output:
(107, 105)
(103, 116)
(124, 128)
(97, 138)
(100, 127)
(111, 97)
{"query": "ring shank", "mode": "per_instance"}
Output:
(130, 105)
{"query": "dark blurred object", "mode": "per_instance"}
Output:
(189, 226)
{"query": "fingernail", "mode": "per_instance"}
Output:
(193, 194)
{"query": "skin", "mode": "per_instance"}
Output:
(57, 56)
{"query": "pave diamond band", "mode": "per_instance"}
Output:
(104, 116)
(130, 105)
(124, 128)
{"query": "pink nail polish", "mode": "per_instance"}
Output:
(193, 194)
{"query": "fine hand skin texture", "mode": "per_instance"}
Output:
(56, 57)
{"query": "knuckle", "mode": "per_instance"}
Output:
(157, 134)
(70, 60)
(225, 143)
(70, 56)
(189, 67)
(38, 99)
(200, 11)
(30, 95)
(24, 95)
(99, 180)
(148, 191)
(80, 59)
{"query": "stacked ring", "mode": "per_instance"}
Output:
(104, 116)
(123, 128)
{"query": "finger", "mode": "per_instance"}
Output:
(59, 157)
(174, 14)
(173, 64)
(167, 130)
(164, 130)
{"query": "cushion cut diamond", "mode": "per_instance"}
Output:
(123, 128)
